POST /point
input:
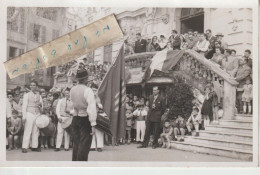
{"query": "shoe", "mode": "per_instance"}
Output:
(9, 149)
(189, 133)
(66, 149)
(181, 140)
(142, 146)
(46, 146)
(99, 150)
(24, 150)
(154, 147)
(169, 146)
(164, 145)
(36, 149)
(42, 146)
(197, 134)
(57, 149)
(174, 139)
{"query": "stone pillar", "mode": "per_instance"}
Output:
(229, 101)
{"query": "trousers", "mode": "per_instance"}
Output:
(82, 138)
(100, 140)
(60, 133)
(31, 131)
(140, 130)
(152, 127)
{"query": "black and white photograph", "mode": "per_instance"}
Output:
(177, 87)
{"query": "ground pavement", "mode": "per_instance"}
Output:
(119, 153)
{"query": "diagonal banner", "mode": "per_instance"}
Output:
(67, 47)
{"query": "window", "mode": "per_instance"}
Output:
(16, 19)
(14, 51)
(37, 33)
(47, 13)
(108, 53)
(55, 34)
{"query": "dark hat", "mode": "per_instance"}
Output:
(17, 88)
(82, 74)
(10, 93)
(95, 86)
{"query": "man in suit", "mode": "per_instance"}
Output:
(175, 40)
(140, 44)
(243, 73)
(247, 54)
(211, 40)
(153, 121)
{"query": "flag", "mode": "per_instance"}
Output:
(112, 94)
(163, 61)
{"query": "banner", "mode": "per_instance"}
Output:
(66, 48)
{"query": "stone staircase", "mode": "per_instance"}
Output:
(231, 138)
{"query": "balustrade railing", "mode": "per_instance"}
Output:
(201, 71)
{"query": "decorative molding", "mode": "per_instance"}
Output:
(233, 33)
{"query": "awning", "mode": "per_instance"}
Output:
(159, 80)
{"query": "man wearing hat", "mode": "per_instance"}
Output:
(224, 44)
(84, 117)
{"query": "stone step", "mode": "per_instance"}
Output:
(243, 123)
(227, 135)
(246, 117)
(221, 142)
(214, 150)
(230, 128)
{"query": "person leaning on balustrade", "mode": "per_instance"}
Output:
(230, 63)
(218, 56)
(202, 45)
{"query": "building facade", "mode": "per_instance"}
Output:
(29, 28)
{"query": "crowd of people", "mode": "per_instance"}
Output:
(21, 131)
(213, 48)
(146, 118)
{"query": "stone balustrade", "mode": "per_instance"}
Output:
(200, 71)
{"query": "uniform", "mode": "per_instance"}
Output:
(31, 111)
(64, 106)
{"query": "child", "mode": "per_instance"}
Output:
(14, 129)
(194, 121)
(140, 114)
(129, 116)
(166, 136)
(208, 104)
(179, 128)
(247, 96)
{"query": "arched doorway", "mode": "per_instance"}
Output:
(192, 18)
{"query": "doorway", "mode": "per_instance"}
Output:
(192, 19)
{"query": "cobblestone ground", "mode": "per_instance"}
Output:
(119, 153)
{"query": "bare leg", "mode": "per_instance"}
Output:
(10, 142)
(16, 139)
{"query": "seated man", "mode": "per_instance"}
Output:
(179, 128)
(194, 121)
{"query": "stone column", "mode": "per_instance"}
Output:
(229, 101)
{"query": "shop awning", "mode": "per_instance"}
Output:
(159, 80)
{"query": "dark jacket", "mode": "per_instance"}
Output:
(155, 114)
(175, 41)
(140, 46)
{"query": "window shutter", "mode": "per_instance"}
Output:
(43, 34)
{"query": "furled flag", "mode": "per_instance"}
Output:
(163, 61)
(112, 93)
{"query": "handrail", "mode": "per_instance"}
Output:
(213, 67)
(139, 55)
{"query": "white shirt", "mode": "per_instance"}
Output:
(25, 103)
